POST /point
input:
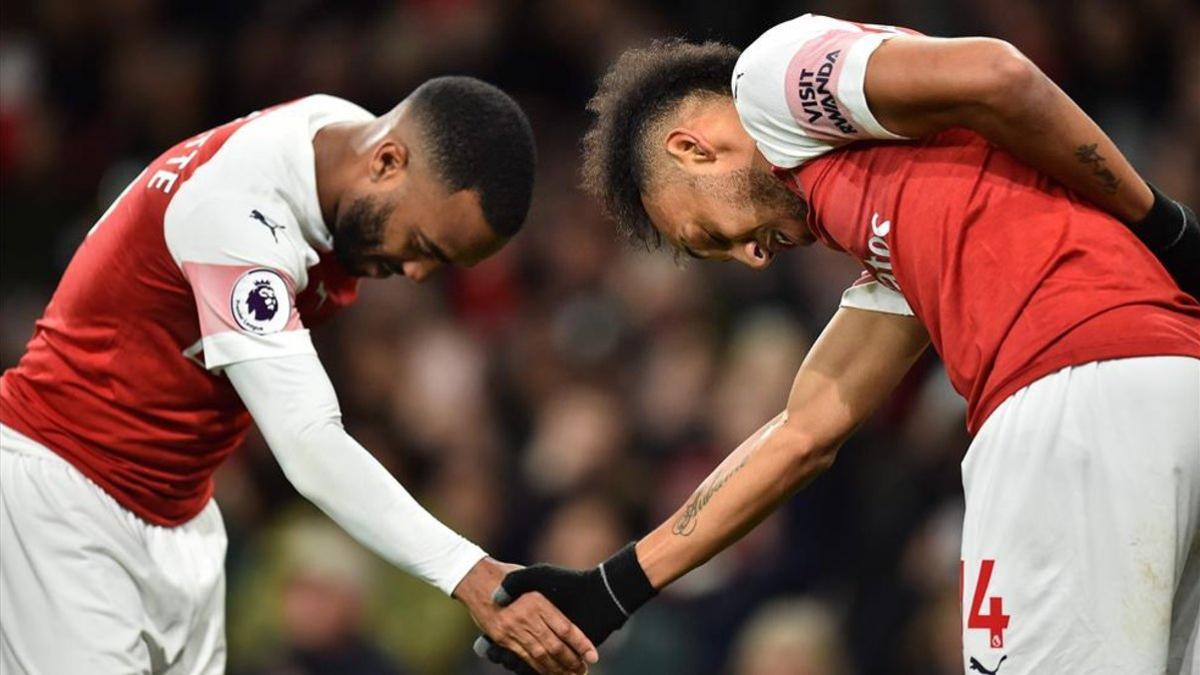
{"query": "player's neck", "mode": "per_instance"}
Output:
(332, 155)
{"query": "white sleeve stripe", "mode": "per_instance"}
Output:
(611, 594)
(223, 349)
(852, 86)
(875, 297)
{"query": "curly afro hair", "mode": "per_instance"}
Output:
(641, 88)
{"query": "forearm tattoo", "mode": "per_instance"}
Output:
(1087, 155)
(691, 513)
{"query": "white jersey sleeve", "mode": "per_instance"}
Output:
(798, 88)
(295, 407)
(246, 263)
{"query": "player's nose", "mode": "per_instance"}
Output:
(419, 270)
(754, 255)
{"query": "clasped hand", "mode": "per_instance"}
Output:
(598, 601)
(529, 627)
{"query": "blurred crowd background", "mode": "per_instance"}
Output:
(562, 398)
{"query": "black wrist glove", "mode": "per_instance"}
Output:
(598, 601)
(1170, 230)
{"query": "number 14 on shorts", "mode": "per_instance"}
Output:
(995, 621)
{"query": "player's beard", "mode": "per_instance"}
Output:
(767, 194)
(761, 192)
(358, 233)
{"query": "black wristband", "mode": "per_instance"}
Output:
(626, 581)
(1163, 225)
(1182, 259)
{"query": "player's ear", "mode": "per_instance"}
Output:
(389, 160)
(689, 148)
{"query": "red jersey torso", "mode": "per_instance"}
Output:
(117, 378)
(1012, 276)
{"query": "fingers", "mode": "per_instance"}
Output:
(503, 657)
(569, 633)
(523, 628)
(502, 597)
(555, 653)
(514, 657)
(534, 629)
(522, 581)
(512, 652)
(559, 658)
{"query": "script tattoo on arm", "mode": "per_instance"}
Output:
(703, 495)
(1088, 156)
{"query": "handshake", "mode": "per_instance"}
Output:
(597, 601)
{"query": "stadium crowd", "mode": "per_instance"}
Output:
(557, 400)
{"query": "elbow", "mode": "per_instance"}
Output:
(303, 482)
(1009, 83)
(820, 457)
(810, 457)
(297, 469)
(300, 455)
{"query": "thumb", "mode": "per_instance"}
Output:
(520, 582)
(501, 597)
(486, 649)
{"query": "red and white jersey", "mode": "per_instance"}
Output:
(217, 253)
(1012, 275)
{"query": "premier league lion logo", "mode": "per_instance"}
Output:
(261, 302)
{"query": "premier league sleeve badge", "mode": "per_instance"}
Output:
(261, 302)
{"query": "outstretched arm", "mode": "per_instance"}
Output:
(920, 85)
(859, 358)
(294, 405)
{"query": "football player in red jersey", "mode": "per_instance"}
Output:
(986, 210)
(183, 315)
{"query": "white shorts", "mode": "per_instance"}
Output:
(89, 588)
(1080, 545)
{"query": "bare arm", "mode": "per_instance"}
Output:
(860, 357)
(921, 85)
(858, 360)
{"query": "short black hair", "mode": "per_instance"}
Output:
(479, 139)
(639, 89)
